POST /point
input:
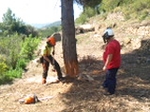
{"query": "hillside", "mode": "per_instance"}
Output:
(46, 25)
(81, 94)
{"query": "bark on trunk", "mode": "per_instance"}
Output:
(68, 38)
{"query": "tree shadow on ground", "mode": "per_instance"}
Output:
(83, 90)
(133, 80)
(134, 77)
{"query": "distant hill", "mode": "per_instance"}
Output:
(47, 25)
(57, 23)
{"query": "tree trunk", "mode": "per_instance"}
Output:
(68, 38)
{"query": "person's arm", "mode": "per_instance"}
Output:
(108, 60)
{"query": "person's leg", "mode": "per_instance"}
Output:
(56, 67)
(45, 65)
(111, 80)
(105, 85)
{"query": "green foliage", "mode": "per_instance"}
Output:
(15, 54)
(3, 69)
(14, 73)
(28, 47)
(49, 31)
(21, 63)
(10, 47)
(88, 12)
(141, 9)
(144, 15)
(10, 74)
(140, 5)
(3, 66)
(29, 30)
(11, 25)
(88, 3)
(5, 79)
(82, 19)
(108, 5)
(138, 9)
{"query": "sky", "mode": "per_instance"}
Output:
(36, 11)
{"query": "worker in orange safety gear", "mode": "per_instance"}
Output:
(47, 59)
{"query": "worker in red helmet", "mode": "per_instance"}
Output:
(47, 58)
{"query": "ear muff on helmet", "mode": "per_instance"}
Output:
(107, 34)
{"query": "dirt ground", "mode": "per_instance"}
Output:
(81, 95)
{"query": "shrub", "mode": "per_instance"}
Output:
(28, 47)
(17, 52)
(3, 68)
(14, 73)
(21, 63)
(88, 12)
(82, 19)
(10, 47)
(138, 9)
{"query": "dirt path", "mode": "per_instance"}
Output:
(132, 94)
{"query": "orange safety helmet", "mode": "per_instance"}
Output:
(52, 41)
